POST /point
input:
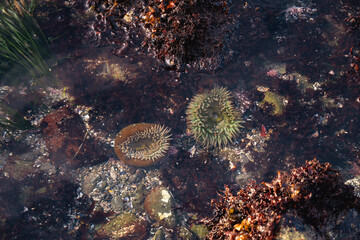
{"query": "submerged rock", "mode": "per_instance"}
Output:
(65, 137)
(199, 230)
(186, 234)
(159, 235)
(355, 183)
(159, 204)
(17, 168)
(125, 226)
(275, 101)
(293, 227)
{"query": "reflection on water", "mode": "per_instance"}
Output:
(80, 71)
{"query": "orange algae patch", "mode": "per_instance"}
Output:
(142, 144)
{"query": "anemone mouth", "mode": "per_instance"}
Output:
(212, 118)
(142, 144)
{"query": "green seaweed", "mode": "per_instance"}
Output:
(11, 119)
(22, 41)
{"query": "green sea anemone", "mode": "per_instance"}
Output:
(212, 118)
(142, 144)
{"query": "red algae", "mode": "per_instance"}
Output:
(314, 191)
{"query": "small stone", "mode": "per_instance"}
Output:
(90, 182)
(159, 204)
(117, 203)
(139, 198)
(125, 226)
(113, 174)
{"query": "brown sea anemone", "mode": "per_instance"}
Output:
(142, 144)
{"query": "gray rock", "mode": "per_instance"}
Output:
(355, 182)
(117, 203)
(90, 182)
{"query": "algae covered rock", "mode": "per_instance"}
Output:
(64, 133)
(293, 227)
(124, 226)
(199, 230)
(159, 204)
(186, 234)
(275, 101)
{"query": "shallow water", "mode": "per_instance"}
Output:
(291, 68)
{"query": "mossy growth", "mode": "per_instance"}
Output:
(212, 118)
(142, 144)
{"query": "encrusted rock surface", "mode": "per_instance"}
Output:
(125, 226)
(159, 204)
(66, 139)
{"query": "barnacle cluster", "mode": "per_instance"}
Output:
(142, 144)
(314, 191)
(212, 118)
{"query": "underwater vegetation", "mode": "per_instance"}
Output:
(315, 191)
(11, 119)
(21, 39)
(142, 144)
(180, 32)
(212, 118)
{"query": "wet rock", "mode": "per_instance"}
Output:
(355, 183)
(107, 67)
(90, 182)
(199, 230)
(275, 101)
(159, 235)
(65, 137)
(139, 198)
(117, 203)
(48, 168)
(125, 226)
(137, 176)
(186, 234)
(159, 204)
(292, 227)
(347, 226)
(47, 212)
(109, 186)
(11, 206)
(17, 168)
